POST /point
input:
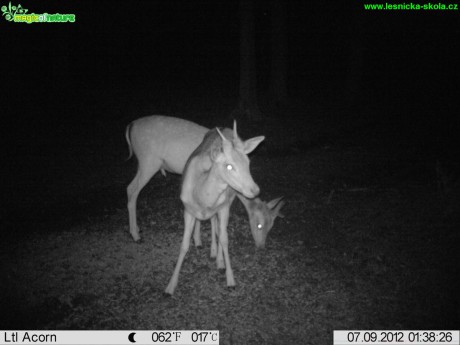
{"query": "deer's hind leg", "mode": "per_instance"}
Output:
(145, 170)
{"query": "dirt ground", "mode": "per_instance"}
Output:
(369, 241)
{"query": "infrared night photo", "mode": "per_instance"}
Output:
(259, 171)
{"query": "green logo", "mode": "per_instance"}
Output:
(10, 11)
(18, 14)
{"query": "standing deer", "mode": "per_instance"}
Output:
(165, 143)
(215, 171)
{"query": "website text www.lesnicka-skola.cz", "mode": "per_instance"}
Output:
(411, 6)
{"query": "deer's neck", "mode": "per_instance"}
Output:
(204, 191)
(210, 191)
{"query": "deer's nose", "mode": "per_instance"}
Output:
(260, 246)
(254, 191)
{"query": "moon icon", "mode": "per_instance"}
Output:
(131, 337)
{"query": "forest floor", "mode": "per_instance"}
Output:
(369, 241)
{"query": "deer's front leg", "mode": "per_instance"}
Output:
(189, 222)
(223, 242)
(197, 234)
(220, 258)
(216, 253)
(214, 226)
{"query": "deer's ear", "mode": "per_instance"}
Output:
(251, 144)
(275, 206)
(276, 211)
(272, 203)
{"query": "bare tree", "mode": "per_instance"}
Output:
(247, 104)
(278, 72)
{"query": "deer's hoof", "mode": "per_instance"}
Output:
(135, 235)
(167, 295)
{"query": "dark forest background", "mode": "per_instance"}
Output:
(364, 149)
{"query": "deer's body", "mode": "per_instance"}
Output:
(203, 193)
(215, 170)
(159, 143)
(165, 143)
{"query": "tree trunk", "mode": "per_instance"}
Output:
(247, 104)
(278, 73)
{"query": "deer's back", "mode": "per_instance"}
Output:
(165, 138)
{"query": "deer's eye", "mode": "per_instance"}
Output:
(259, 226)
(229, 167)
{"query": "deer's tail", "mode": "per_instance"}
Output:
(128, 140)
